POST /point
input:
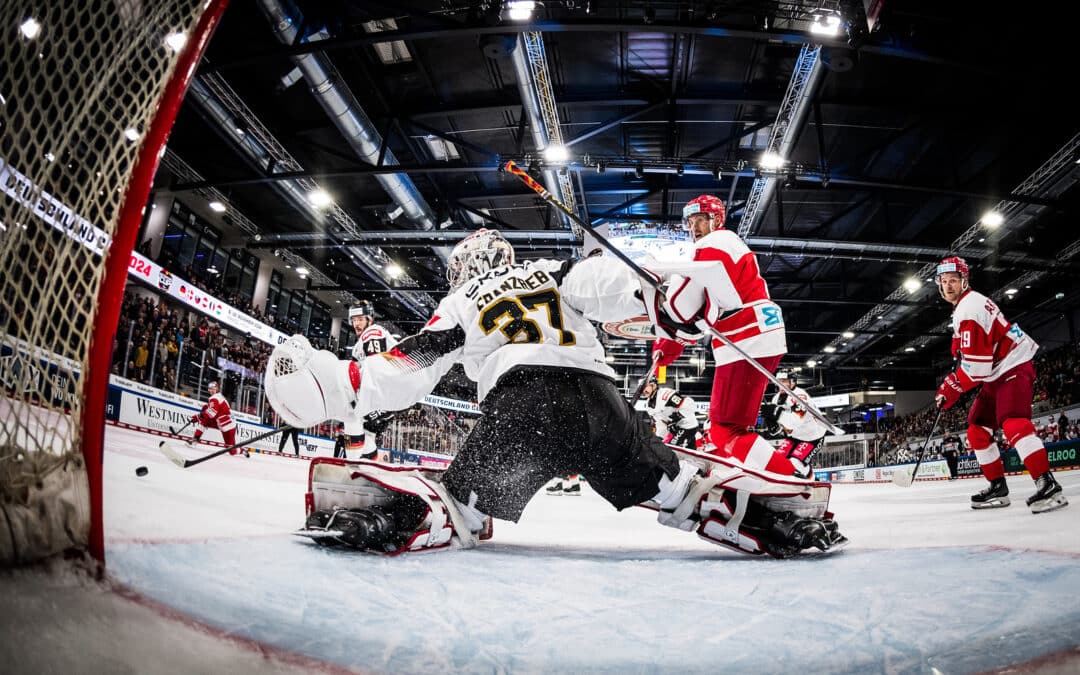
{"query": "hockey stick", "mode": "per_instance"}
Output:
(645, 379)
(176, 432)
(905, 479)
(179, 460)
(539, 189)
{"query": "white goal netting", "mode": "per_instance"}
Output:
(88, 91)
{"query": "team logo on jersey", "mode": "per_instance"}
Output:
(770, 316)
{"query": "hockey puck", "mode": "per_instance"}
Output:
(141, 471)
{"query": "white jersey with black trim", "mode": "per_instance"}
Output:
(797, 423)
(373, 340)
(668, 407)
(535, 313)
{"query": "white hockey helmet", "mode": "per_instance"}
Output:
(784, 375)
(477, 253)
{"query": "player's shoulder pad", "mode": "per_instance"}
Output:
(723, 240)
(372, 331)
(975, 306)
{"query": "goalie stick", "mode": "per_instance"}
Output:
(539, 189)
(180, 461)
(904, 478)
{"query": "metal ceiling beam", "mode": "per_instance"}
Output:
(789, 121)
(408, 238)
(600, 25)
(1050, 177)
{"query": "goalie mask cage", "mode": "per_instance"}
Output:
(89, 91)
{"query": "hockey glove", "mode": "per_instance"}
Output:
(672, 314)
(377, 421)
(667, 351)
(949, 392)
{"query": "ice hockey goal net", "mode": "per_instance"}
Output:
(88, 93)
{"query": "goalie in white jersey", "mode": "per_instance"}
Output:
(523, 333)
(371, 338)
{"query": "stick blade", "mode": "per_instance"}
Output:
(172, 455)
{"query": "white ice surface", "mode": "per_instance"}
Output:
(926, 586)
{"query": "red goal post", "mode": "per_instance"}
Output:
(89, 92)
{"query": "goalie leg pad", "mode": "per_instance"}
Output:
(388, 510)
(753, 512)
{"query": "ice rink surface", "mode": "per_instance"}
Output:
(927, 585)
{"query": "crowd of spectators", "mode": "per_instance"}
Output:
(149, 323)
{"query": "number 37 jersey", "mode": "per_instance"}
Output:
(535, 313)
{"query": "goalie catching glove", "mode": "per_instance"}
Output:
(308, 386)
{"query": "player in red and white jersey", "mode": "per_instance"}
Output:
(996, 355)
(216, 414)
(371, 338)
(757, 327)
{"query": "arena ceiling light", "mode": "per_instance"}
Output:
(829, 349)
(520, 10)
(393, 270)
(320, 198)
(216, 206)
(771, 160)
(1011, 292)
(911, 285)
(992, 219)
(176, 41)
(826, 23)
(847, 335)
(556, 153)
(30, 28)
(132, 134)
(811, 363)
(302, 271)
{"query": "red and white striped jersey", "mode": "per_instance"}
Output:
(374, 340)
(217, 409)
(757, 328)
(985, 342)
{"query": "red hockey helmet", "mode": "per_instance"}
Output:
(705, 204)
(953, 264)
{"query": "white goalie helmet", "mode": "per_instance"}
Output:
(477, 253)
(306, 386)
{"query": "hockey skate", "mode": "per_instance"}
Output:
(555, 490)
(369, 529)
(1047, 496)
(995, 496)
(572, 490)
(790, 535)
